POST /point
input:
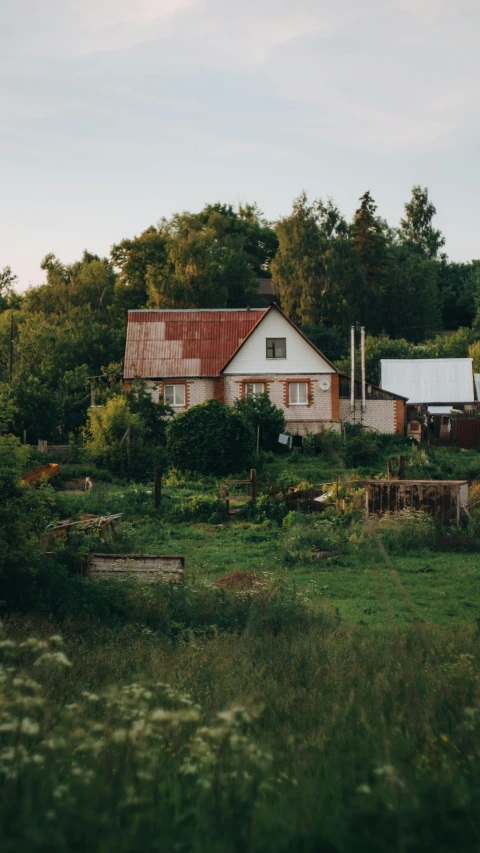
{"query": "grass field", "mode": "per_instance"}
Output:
(336, 710)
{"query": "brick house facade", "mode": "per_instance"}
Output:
(188, 357)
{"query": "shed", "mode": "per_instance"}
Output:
(429, 381)
(444, 499)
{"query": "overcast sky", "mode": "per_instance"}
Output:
(114, 113)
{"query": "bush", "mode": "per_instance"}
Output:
(25, 511)
(263, 415)
(199, 508)
(366, 449)
(408, 530)
(211, 439)
(263, 509)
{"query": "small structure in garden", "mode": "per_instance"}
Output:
(444, 499)
(440, 393)
(227, 496)
(146, 568)
(86, 522)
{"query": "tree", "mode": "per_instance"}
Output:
(211, 439)
(84, 288)
(7, 282)
(459, 286)
(411, 301)
(298, 270)
(206, 265)
(417, 226)
(114, 437)
(8, 409)
(370, 241)
(155, 416)
(133, 258)
(24, 513)
(265, 416)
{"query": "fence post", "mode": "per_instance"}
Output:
(157, 487)
(253, 483)
(401, 468)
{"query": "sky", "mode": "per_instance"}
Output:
(114, 113)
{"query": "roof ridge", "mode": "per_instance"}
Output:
(191, 310)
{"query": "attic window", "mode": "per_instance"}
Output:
(276, 347)
(174, 395)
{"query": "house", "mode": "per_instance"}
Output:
(189, 356)
(437, 391)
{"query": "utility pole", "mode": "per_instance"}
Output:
(352, 371)
(362, 351)
(10, 359)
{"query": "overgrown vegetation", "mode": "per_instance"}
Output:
(331, 704)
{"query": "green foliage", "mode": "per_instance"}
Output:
(196, 509)
(261, 509)
(117, 439)
(405, 531)
(369, 240)
(8, 409)
(417, 228)
(25, 511)
(331, 341)
(363, 447)
(316, 270)
(133, 258)
(207, 264)
(411, 301)
(262, 414)
(223, 750)
(211, 439)
(459, 291)
(154, 415)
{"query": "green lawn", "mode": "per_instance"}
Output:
(365, 588)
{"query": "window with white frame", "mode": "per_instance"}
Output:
(297, 393)
(252, 389)
(174, 395)
(276, 347)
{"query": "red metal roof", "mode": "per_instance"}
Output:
(176, 344)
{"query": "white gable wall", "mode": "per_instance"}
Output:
(252, 357)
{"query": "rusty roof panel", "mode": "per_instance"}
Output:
(177, 344)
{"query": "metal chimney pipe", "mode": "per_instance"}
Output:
(352, 370)
(362, 351)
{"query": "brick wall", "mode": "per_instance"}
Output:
(400, 417)
(196, 390)
(314, 417)
(380, 414)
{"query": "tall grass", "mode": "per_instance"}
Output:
(320, 739)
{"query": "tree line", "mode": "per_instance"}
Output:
(328, 273)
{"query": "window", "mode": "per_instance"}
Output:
(252, 389)
(297, 393)
(174, 395)
(276, 347)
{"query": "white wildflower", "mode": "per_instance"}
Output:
(53, 657)
(28, 727)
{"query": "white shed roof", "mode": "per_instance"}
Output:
(429, 380)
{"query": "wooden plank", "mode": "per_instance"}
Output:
(142, 567)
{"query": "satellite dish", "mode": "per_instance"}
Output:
(324, 383)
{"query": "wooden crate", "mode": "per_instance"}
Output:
(145, 568)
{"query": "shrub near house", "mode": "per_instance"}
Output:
(210, 439)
